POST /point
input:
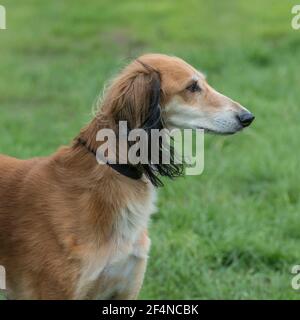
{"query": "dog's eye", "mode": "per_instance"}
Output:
(194, 87)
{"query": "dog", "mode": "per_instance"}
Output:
(73, 229)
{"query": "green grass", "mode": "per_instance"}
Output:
(234, 231)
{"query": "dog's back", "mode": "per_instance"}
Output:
(13, 173)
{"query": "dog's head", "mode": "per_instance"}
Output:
(190, 102)
(185, 99)
(157, 91)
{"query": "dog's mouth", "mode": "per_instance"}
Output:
(219, 132)
(229, 126)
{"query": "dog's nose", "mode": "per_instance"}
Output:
(246, 118)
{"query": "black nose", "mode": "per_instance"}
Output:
(246, 118)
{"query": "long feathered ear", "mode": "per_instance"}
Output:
(136, 97)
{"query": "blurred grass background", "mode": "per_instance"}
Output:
(234, 231)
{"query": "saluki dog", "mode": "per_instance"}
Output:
(71, 228)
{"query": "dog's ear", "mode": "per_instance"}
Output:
(136, 97)
(138, 100)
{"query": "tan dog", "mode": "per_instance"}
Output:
(73, 229)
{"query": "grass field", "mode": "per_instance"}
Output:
(234, 231)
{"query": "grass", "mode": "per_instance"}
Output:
(234, 231)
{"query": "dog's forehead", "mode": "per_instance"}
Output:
(175, 72)
(188, 69)
(179, 76)
(183, 71)
(170, 66)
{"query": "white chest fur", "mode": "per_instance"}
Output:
(117, 259)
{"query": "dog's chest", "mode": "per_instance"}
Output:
(112, 268)
(120, 279)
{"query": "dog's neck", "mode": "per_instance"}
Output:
(87, 140)
(126, 170)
